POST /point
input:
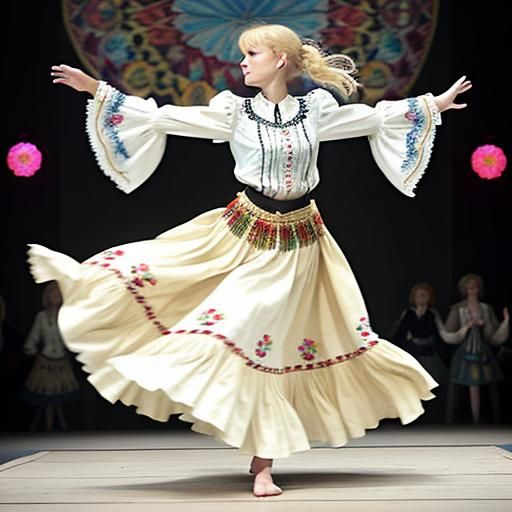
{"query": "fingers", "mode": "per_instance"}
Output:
(62, 70)
(62, 74)
(58, 71)
(462, 84)
(466, 86)
(60, 79)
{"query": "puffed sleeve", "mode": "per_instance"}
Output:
(452, 323)
(128, 133)
(401, 133)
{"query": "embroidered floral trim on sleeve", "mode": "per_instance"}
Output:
(112, 119)
(417, 117)
(423, 116)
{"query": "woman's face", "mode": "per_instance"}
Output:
(472, 289)
(260, 66)
(421, 297)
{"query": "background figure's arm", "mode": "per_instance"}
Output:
(34, 337)
(452, 323)
(494, 331)
(400, 330)
(450, 337)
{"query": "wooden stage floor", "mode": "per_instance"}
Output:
(393, 468)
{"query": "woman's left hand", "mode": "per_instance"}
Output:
(446, 100)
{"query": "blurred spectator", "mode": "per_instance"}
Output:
(418, 331)
(474, 364)
(51, 381)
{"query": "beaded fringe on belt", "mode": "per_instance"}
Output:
(268, 231)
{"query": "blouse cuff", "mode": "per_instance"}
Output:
(424, 116)
(120, 133)
(403, 145)
(109, 149)
(434, 111)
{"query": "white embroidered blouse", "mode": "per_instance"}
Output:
(275, 146)
(45, 331)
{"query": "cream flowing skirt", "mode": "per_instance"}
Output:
(250, 325)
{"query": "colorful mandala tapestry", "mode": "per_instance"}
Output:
(185, 51)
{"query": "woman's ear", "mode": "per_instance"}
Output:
(283, 58)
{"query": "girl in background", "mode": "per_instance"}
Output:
(419, 331)
(474, 364)
(51, 382)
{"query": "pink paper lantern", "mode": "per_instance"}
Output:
(488, 161)
(24, 159)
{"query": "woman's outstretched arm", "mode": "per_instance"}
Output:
(128, 133)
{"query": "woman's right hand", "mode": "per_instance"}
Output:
(74, 78)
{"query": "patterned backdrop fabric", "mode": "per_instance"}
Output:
(185, 51)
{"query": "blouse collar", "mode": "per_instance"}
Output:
(288, 107)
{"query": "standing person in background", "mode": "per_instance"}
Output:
(419, 331)
(474, 364)
(51, 382)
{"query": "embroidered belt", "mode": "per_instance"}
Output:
(268, 231)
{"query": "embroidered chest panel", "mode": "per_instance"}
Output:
(286, 149)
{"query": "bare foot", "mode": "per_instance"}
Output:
(263, 483)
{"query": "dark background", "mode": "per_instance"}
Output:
(458, 223)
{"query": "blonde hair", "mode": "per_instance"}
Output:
(463, 284)
(329, 70)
